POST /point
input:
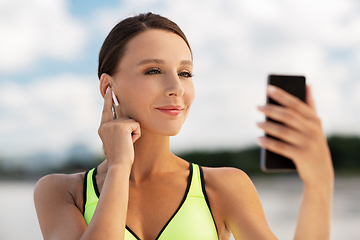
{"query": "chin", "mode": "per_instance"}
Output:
(163, 130)
(173, 134)
(169, 132)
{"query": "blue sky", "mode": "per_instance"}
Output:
(49, 97)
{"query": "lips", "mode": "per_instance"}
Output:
(172, 110)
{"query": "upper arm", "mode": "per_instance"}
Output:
(241, 207)
(58, 216)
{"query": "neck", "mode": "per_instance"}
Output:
(152, 155)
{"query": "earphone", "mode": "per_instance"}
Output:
(114, 98)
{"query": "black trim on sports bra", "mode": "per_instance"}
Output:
(84, 191)
(206, 197)
(98, 195)
(132, 232)
(95, 183)
(167, 223)
(182, 201)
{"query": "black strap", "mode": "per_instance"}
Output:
(205, 196)
(84, 191)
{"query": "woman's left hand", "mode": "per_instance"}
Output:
(302, 135)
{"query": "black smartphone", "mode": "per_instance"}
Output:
(295, 85)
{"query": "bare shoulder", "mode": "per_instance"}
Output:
(58, 202)
(236, 204)
(60, 178)
(59, 187)
(226, 179)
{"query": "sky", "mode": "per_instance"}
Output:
(49, 90)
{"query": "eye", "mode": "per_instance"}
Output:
(185, 74)
(153, 71)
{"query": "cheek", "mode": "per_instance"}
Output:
(135, 99)
(190, 93)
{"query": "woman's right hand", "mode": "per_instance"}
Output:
(118, 136)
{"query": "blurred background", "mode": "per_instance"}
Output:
(50, 105)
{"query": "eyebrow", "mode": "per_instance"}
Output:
(159, 61)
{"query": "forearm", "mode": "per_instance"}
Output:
(109, 219)
(315, 212)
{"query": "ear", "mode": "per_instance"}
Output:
(105, 82)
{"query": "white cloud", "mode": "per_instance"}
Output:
(37, 29)
(236, 43)
(49, 114)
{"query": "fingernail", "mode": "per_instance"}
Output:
(260, 141)
(260, 124)
(107, 89)
(271, 89)
(261, 107)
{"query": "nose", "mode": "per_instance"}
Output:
(174, 87)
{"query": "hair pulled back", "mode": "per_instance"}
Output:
(114, 46)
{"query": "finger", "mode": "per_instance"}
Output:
(107, 114)
(309, 98)
(284, 115)
(286, 99)
(282, 132)
(134, 127)
(277, 146)
(136, 133)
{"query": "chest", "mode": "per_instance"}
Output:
(153, 205)
(165, 209)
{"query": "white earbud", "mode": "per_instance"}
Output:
(114, 98)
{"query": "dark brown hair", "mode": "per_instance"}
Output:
(114, 46)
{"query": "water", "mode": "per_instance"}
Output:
(280, 198)
(17, 213)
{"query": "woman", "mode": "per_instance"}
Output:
(149, 193)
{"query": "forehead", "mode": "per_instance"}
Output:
(156, 44)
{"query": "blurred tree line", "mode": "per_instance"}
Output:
(345, 153)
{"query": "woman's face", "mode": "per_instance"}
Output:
(153, 82)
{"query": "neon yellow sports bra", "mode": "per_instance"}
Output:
(192, 220)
